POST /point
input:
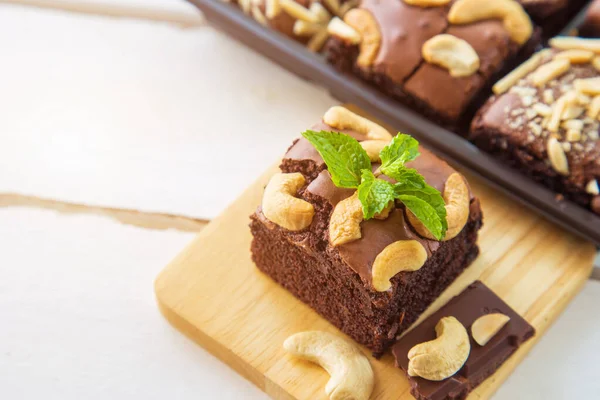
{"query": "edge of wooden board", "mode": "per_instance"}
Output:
(541, 313)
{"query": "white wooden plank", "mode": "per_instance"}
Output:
(79, 319)
(140, 115)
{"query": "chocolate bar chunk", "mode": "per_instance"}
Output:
(544, 120)
(474, 302)
(335, 277)
(437, 60)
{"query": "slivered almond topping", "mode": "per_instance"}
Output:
(572, 111)
(594, 108)
(590, 86)
(334, 5)
(549, 71)
(583, 99)
(548, 96)
(272, 8)
(259, 16)
(592, 187)
(557, 110)
(303, 28)
(535, 128)
(596, 62)
(318, 40)
(542, 109)
(573, 135)
(321, 12)
(573, 124)
(342, 30)
(557, 157)
(576, 56)
(520, 72)
(295, 10)
(575, 43)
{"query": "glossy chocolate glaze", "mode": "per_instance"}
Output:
(475, 301)
(404, 29)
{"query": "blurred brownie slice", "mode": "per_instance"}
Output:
(543, 119)
(439, 60)
(314, 241)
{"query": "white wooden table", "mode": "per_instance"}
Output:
(151, 110)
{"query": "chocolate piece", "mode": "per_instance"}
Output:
(336, 281)
(400, 71)
(475, 301)
(591, 24)
(510, 127)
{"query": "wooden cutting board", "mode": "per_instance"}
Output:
(214, 294)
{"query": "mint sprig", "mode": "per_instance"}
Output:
(344, 156)
(350, 167)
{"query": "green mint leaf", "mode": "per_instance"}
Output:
(344, 156)
(402, 149)
(426, 203)
(374, 194)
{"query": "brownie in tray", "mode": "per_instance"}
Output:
(543, 119)
(372, 278)
(439, 60)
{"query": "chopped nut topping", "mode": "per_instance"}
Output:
(557, 157)
(573, 124)
(549, 71)
(542, 109)
(573, 135)
(571, 112)
(535, 128)
(592, 187)
(575, 43)
(589, 86)
(576, 56)
(548, 96)
(520, 72)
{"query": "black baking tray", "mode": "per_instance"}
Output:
(349, 89)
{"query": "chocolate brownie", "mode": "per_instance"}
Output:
(591, 24)
(508, 332)
(544, 120)
(408, 51)
(336, 278)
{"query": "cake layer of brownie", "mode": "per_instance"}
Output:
(591, 24)
(520, 127)
(393, 60)
(474, 302)
(336, 280)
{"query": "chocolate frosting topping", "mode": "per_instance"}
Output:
(404, 29)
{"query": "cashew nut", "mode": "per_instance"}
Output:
(344, 224)
(427, 3)
(452, 53)
(515, 19)
(486, 327)
(341, 118)
(456, 197)
(365, 24)
(281, 207)
(373, 148)
(351, 375)
(403, 255)
(443, 357)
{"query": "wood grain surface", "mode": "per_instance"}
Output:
(214, 294)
